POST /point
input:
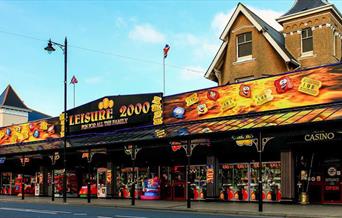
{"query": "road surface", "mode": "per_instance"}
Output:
(28, 210)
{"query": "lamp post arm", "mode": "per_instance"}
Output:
(59, 45)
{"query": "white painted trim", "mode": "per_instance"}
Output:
(15, 108)
(307, 54)
(244, 61)
(13, 112)
(215, 60)
(240, 8)
(311, 11)
(296, 21)
(276, 47)
(334, 41)
(244, 58)
(242, 27)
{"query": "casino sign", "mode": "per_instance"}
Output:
(116, 112)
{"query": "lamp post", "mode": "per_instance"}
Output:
(49, 48)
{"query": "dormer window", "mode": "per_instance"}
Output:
(307, 41)
(244, 46)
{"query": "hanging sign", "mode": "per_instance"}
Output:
(2, 160)
(244, 140)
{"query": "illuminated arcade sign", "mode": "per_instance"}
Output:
(305, 88)
(29, 132)
(117, 112)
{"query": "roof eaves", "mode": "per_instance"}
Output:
(217, 57)
(308, 12)
(243, 9)
(5, 95)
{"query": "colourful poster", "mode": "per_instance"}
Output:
(30, 132)
(304, 88)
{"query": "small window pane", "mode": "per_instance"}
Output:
(244, 44)
(249, 36)
(241, 38)
(304, 34)
(307, 42)
(307, 45)
(245, 49)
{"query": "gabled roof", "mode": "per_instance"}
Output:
(303, 5)
(275, 38)
(9, 98)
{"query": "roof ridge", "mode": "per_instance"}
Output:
(33, 110)
(12, 101)
(303, 5)
(6, 93)
(251, 11)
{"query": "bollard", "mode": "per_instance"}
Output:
(304, 198)
(22, 190)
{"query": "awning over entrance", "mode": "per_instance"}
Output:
(193, 130)
(279, 118)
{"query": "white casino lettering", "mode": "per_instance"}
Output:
(319, 136)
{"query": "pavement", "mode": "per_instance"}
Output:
(224, 208)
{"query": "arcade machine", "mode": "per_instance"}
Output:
(72, 185)
(103, 181)
(7, 183)
(235, 179)
(198, 180)
(28, 185)
(151, 189)
(124, 180)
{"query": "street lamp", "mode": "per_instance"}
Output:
(49, 48)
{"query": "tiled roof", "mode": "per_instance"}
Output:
(197, 129)
(230, 124)
(276, 35)
(303, 5)
(11, 99)
(36, 115)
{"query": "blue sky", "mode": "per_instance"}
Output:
(115, 46)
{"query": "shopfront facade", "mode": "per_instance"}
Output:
(288, 123)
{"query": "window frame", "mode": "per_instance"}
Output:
(306, 53)
(335, 43)
(246, 57)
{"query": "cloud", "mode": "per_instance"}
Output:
(221, 19)
(187, 39)
(200, 46)
(205, 49)
(120, 22)
(146, 33)
(192, 72)
(93, 80)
